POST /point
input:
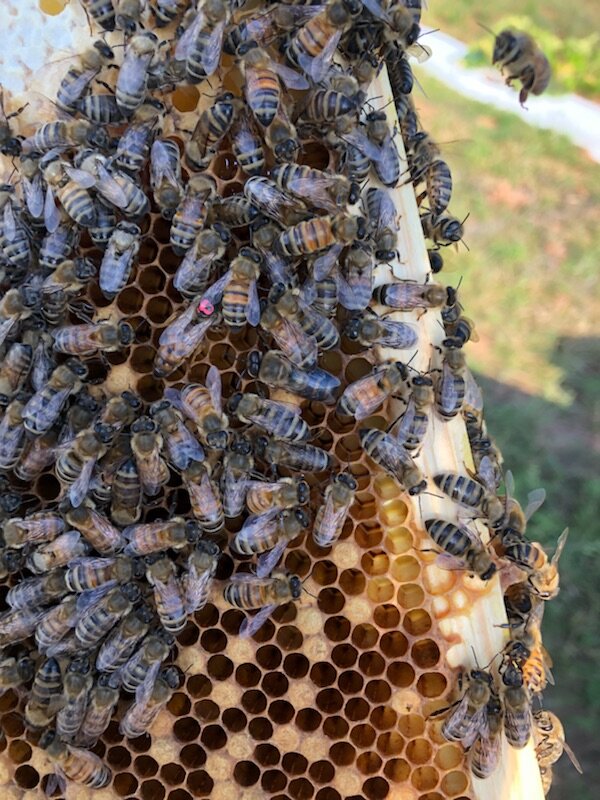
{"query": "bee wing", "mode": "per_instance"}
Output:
(188, 39)
(5, 328)
(253, 305)
(192, 270)
(406, 422)
(86, 600)
(387, 217)
(211, 54)
(316, 68)
(534, 500)
(9, 222)
(257, 521)
(144, 690)
(509, 484)
(322, 265)
(473, 395)
(161, 165)
(93, 562)
(377, 10)
(79, 489)
(291, 78)
(215, 292)
(214, 386)
(268, 561)
(56, 780)
(33, 191)
(38, 406)
(81, 177)
(361, 141)
(176, 329)
(297, 345)
(186, 450)
(315, 190)
(51, 212)
(196, 588)
(252, 624)
(108, 187)
(329, 522)
(487, 474)
(420, 52)
(572, 758)
(449, 391)
(353, 297)
(477, 724)
(562, 540)
(489, 748)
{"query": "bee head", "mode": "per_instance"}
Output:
(217, 440)
(253, 362)
(303, 492)
(295, 586)
(104, 49)
(171, 677)
(352, 329)
(302, 517)
(348, 480)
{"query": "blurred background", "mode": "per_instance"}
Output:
(529, 280)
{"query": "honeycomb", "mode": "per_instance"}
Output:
(331, 698)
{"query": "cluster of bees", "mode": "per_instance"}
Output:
(97, 596)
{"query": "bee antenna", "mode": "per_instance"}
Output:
(485, 28)
(475, 657)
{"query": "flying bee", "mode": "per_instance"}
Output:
(543, 575)
(103, 699)
(43, 409)
(329, 522)
(385, 450)
(118, 258)
(45, 695)
(75, 464)
(415, 420)
(154, 650)
(18, 624)
(550, 741)
(86, 340)
(376, 141)
(248, 591)
(237, 288)
(56, 247)
(281, 137)
(162, 577)
(277, 419)
(43, 526)
(121, 643)
(15, 671)
(150, 697)
(466, 719)
(299, 457)
(279, 373)
(517, 708)
(518, 54)
(134, 146)
(165, 176)
(12, 433)
(261, 82)
(74, 763)
(369, 330)
(167, 11)
(153, 537)
(238, 464)
(318, 233)
(192, 212)
(77, 684)
(56, 624)
(383, 223)
(247, 146)
(201, 44)
(463, 548)
(104, 613)
(205, 498)
(321, 189)
(294, 307)
(39, 591)
(57, 553)
(362, 398)
(194, 273)
(443, 230)
(470, 494)
(90, 573)
(126, 497)
(182, 446)
(182, 336)
(312, 46)
(274, 202)
(102, 12)
(203, 404)
(16, 306)
(65, 134)
(284, 494)
(146, 444)
(132, 80)
(196, 581)
(73, 197)
(95, 529)
(214, 123)
(407, 295)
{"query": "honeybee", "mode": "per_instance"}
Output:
(165, 177)
(196, 582)
(238, 291)
(152, 537)
(132, 80)
(543, 575)
(248, 591)
(330, 107)
(39, 591)
(118, 412)
(471, 494)
(154, 650)
(238, 464)
(279, 269)
(517, 708)
(203, 404)
(383, 223)
(90, 573)
(318, 233)
(9, 145)
(126, 498)
(182, 336)
(376, 142)
(321, 189)
(463, 548)
(18, 624)
(32, 184)
(213, 125)
(167, 11)
(15, 307)
(102, 229)
(407, 295)
(118, 258)
(299, 457)
(69, 278)
(295, 308)
(101, 109)
(15, 671)
(261, 85)
(77, 684)
(322, 295)
(128, 15)
(57, 246)
(329, 522)
(146, 444)
(278, 419)
(55, 625)
(102, 12)
(14, 240)
(182, 446)
(194, 273)
(150, 697)
(369, 330)
(426, 164)
(103, 700)
(58, 553)
(45, 695)
(516, 518)
(134, 146)
(281, 137)
(80, 74)
(85, 340)
(205, 498)
(33, 529)
(400, 75)
(192, 211)
(162, 576)
(75, 465)
(285, 493)
(443, 230)
(95, 529)
(236, 211)
(468, 716)
(451, 386)
(271, 531)
(201, 44)
(104, 607)
(525, 650)
(519, 54)
(485, 752)
(362, 398)
(247, 146)
(74, 763)
(315, 384)
(274, 202)
(12, 433)
(73, 197)
(550, 741)
(262, 27)
(385, 450)
(65, 134)
(415, 420)
(120, 644)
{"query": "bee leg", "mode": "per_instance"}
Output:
(17, 112)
